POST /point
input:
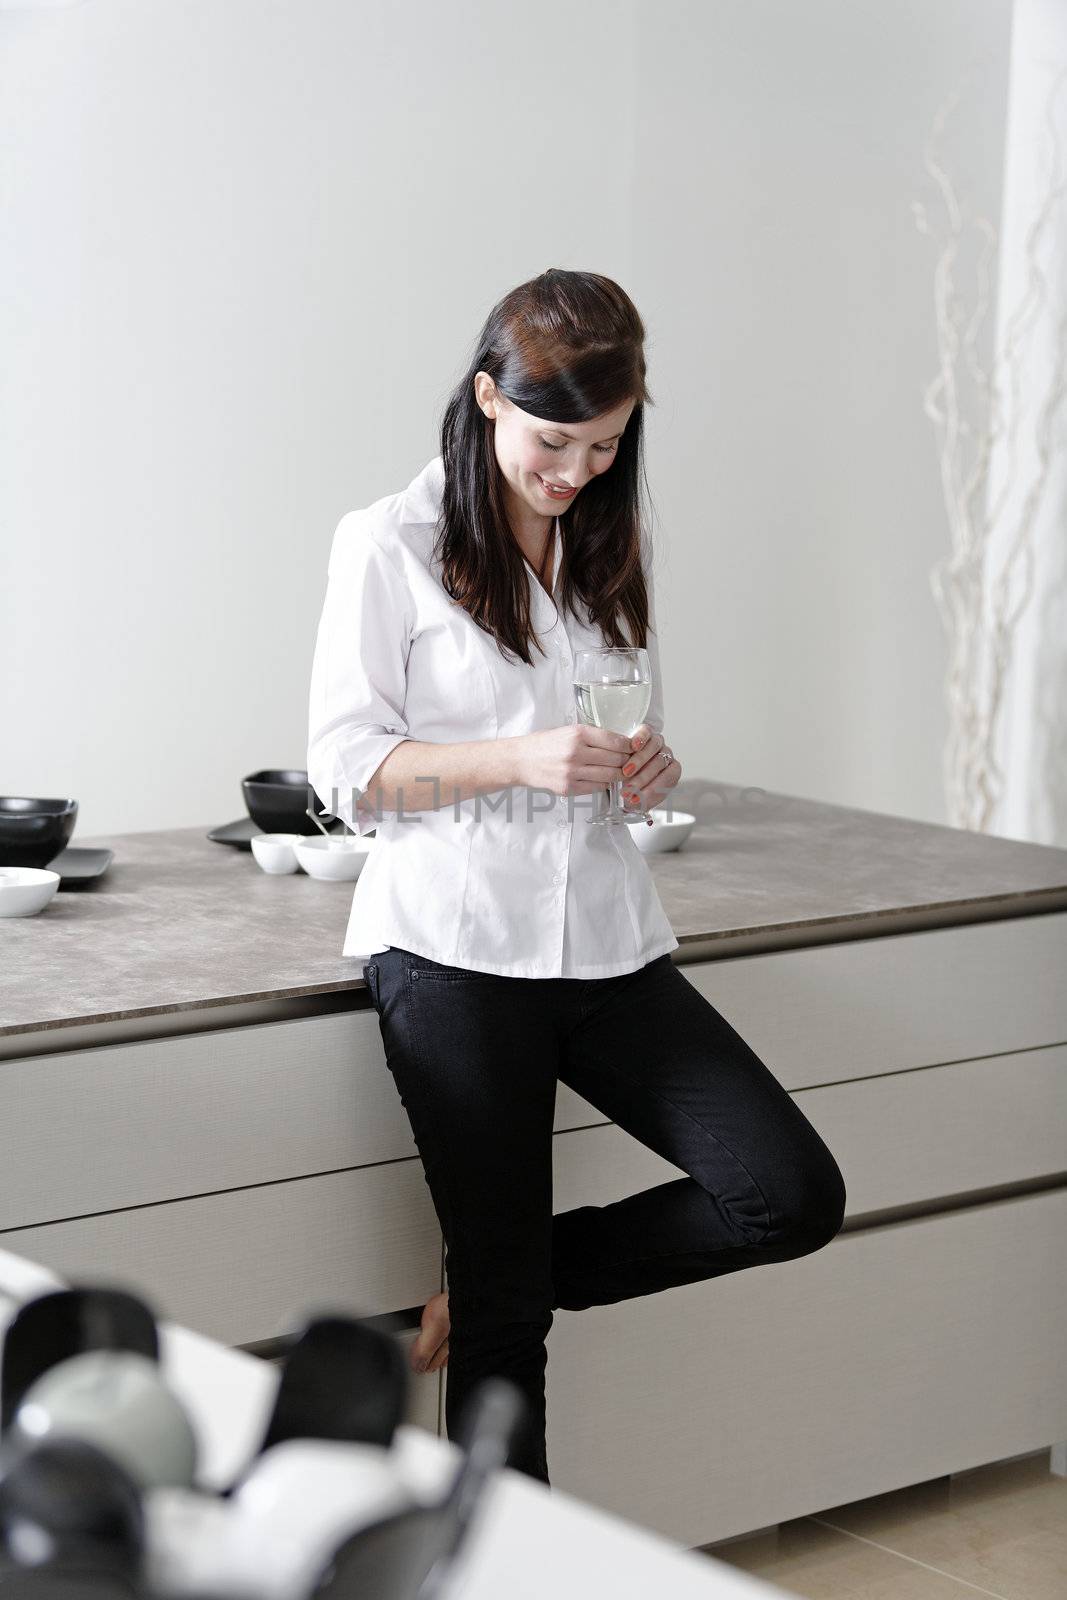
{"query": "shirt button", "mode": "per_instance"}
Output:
(559, 877)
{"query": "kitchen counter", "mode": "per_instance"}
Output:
(181, 924)
(195, 1100)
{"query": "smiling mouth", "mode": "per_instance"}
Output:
(554, 491)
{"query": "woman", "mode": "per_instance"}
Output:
(507, 943)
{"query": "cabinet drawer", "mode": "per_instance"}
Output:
(867, 1006)
(896, 1354)
(131, 1124)
(248, 1264)
(907, 1138)
(914, 1137)
(127, 1124)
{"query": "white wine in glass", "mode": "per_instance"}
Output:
(613, 689)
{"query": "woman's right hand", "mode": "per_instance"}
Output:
(574, 759)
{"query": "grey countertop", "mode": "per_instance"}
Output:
(179, 923)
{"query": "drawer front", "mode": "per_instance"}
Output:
(908, 1138)
(896, 1354)
(247, 1265)
(942, 1132)
(867, 1006)
(127, 1124)
(574, 1111)
(131, 1124)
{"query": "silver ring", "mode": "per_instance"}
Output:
(667, 757)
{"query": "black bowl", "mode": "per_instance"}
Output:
(277, 799)
(34, 831)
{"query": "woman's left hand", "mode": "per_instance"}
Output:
(648, 775)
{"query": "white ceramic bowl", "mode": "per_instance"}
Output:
(340, 859)
(669, 830)
(117, 1400)
(26, 890)
(274, 851)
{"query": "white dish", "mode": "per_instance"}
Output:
(118, 1401)
(26, 890)
(338, 859)
(275, 852)
(669, 830)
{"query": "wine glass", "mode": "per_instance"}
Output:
(613, 689)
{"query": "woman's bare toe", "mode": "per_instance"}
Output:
(429, 1349)
(440, 1359)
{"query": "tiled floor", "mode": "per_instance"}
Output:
(999, 1530)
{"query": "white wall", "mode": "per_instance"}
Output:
(245, 249)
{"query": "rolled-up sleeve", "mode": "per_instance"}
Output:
(358, 674)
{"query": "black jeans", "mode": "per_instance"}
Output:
(475, 1057)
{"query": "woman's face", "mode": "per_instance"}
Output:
(533, 454)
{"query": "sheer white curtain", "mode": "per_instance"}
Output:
(1032, 747)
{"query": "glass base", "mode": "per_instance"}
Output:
(609, 810)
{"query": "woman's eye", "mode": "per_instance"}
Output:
(605, 449)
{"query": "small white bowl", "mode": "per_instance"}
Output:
(26, 890)
(339, 859)
(669, 830)
(274, 851)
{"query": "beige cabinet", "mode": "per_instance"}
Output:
(242, 1177)
(900, 1352)
(928, 1336)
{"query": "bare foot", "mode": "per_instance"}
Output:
(431, 1343)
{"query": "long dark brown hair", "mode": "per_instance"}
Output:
(565, 347)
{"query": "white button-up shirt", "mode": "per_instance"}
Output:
(517, 882)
